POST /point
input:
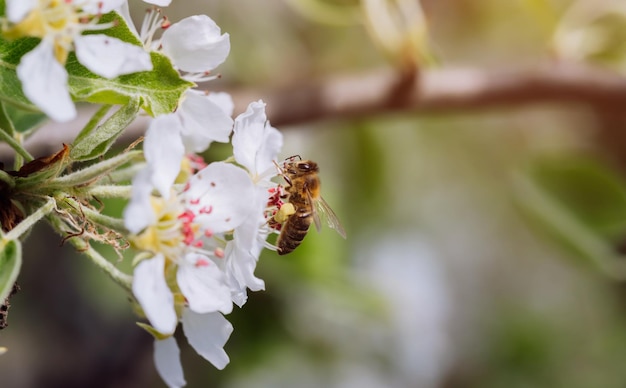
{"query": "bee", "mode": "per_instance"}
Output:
(305, 205)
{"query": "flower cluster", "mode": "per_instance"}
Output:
(202, 237)
(201, 227)
(198, 229)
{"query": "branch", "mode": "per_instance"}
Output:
(386, 90)
(445, 90)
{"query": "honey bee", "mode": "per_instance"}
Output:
(305, 205)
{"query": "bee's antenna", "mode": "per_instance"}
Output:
(293, 157)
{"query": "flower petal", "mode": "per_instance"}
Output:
(256, 144)
(16, 10)
(44, 82)
(139, 212)
(203, 285)
(221, 195)
(195, 44)
(154, 295)
(110, 57)
(203, 122)
(164, 152)
(207, 334)
(167, 362)
(224, 101)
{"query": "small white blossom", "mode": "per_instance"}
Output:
(195, 45)
(185, 235)
(256, 145)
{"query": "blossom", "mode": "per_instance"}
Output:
(184, 235)
(60, 26)
(195, 44)
(256, 145)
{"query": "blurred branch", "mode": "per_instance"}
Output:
(444, 90)
(386, 90)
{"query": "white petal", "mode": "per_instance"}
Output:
(44, 82)
(139, 212)
(256, 144)
(203, 122)
(16, 10)
(224, 189)
(195, 44)
(164, 151)
(167, 362)
(203, 286)
(207, 334)
(110, 57)
(153, 294)
(224, 101)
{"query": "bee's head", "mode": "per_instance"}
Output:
(305, 166)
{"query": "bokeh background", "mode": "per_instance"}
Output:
(484, 245)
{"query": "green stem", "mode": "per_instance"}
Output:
(125, 174)
(15, 145)
(119, 277)
(95, 216)
(27, 223)
(110, 191)
(95, 171)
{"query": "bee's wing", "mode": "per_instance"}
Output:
(333, 222)
(314, 211)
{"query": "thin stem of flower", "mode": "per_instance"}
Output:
(119, 277)
(97, 217)
(91, 173)
(125, 174)
(27, 223)
(110, 191)
(4, 136)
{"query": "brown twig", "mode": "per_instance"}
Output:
(385, 90)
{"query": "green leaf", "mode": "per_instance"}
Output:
(10, 264)
(98, 141)
(10, 54)
(160, 89)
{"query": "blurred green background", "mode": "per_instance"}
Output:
(484, 246)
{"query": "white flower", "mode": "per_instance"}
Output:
(185, 236)
(206, 333)
(195, 44)
(256, 145)
(60, 25)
